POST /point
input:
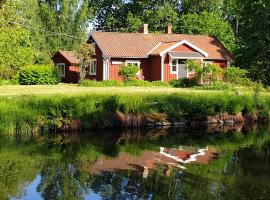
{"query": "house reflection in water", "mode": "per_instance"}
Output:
(148, 160)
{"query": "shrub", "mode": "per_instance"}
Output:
(206, 73)
(136, 82)
(236, 75)
(113, 83)
(39, 75)
(6, 73)
(160, 83)
(107, 83)
(128, 71)
(184, 83)
(215, 86)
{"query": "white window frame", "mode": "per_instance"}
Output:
(62, 69)
(115, 62)
(93, 67)
(132, 62)
(171, 66)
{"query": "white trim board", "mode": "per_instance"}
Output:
(187, 43)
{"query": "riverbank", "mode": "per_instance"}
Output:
(132, 107)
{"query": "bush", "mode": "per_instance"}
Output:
(128, 71)
(107, 83)
(39, 75)
(160, 83)
(6, 73)
(236, 75)
(184, 83)
(136, 82)
(215, 86)
(115, 83)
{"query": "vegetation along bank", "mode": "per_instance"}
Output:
(33, 114)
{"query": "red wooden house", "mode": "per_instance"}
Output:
(158, 56)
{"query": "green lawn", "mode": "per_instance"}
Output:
(73, 89)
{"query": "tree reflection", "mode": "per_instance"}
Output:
(61, 180)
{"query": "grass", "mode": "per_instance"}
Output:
(31, 107)
(73, 89)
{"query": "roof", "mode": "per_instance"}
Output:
(139, 45)
(70, 56)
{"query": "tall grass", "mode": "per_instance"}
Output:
(29, 113)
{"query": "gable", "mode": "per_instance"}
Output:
(184, 48)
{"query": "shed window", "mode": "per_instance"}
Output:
(135, 63)
(174, 66)
(93, 67)
(61, 68)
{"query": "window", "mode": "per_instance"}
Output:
(94, 47)
(207, 62)
(61, 68)
(93, 67)
(134, 63)
(174, 66)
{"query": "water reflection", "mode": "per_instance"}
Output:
(186, 163)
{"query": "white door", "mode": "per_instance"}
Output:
(182, 71)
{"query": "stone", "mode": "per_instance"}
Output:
(158, 124)
(166, 124)
(220, 121)
(150, 124)
(229, 122)
(178, 124)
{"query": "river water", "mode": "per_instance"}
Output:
(183, 163)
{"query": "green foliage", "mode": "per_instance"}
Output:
(15, 49)
(64, 17)
(115, 83)
(184, 83)
(208, 24)
(253, 55)
(236, 75)
(206, 72)
(160, 83)
(130, 15)
(84, 53)
(30, 113)
(39, 75)
(107, 83)
(194, 6)
(128, 71)
(135, 82)
(217, 85)
(111, 104)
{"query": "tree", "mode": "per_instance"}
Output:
(254, 36)
(84, 53)
(208, 24)
(15, 47)
(198, 6)
(120, 15)
(67, 19)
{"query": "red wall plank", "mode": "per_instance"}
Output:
(155, 68)
(184, 48)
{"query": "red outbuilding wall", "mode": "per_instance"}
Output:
(70, 76)
(155, 68)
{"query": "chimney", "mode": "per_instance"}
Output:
(144, 29)
(168, 29)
